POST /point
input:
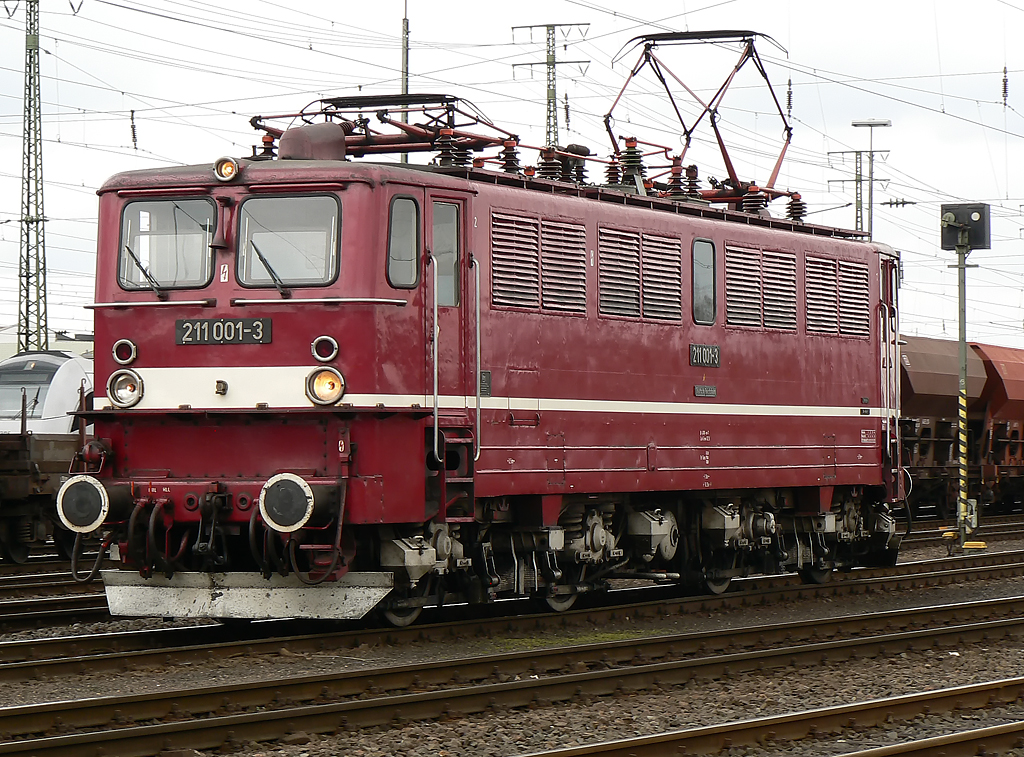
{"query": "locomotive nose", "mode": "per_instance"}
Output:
(287, 502)
(83, 503)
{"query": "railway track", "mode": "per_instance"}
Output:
(89, 604)
(115, 651)
(43, 584)
(214, 716)
(36, 612)
(35, 564)
(44, 577)
(999, 528)
(835, 720)
(934, 538)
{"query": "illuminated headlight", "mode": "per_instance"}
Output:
(325, 386)
(124, 388)
(226, 169)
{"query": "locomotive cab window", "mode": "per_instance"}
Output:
(403, 243)
(446, 252)
(704, 305)
(166, 244)
(289, 241)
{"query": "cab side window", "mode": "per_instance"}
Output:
(446, 252)
(403, 243)
(704, 305)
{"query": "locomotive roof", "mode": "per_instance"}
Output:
(200, 178)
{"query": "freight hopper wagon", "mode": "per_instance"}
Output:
(930, 376)
(335, 385)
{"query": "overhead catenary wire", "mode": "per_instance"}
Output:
(209, 111)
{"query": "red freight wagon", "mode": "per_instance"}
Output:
(335, 385)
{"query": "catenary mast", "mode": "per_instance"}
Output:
(32, 326)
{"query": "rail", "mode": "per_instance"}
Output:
(364, 698)
(800, 725)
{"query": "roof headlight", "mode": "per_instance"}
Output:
(226, 169)
(124, 388)
(325, 386)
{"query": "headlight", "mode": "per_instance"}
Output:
(124, 388)
(226, 169)
(124, 351)
(324, 348)
(325, 386)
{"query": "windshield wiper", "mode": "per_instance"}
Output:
(160, 293)
(285, 293)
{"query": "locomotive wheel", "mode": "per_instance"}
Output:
(816, 575)
(715, 564)
(400, 617)
(563, 602)
(64, 542)
(16, 552)
(717, 585)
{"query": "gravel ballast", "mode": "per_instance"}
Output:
(529, 730)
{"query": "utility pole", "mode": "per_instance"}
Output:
(871, 124)
(551, 125)
(858, 192)
(32, 326)
(405, 67)
(858, 185)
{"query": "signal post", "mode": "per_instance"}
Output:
(965, 227)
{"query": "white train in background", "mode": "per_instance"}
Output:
(39, 438)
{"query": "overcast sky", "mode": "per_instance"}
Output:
(194, 72)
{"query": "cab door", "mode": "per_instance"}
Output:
(889, 339)
(447, 306)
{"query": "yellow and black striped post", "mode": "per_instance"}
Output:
(961, 509)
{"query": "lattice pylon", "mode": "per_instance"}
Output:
(32, 326)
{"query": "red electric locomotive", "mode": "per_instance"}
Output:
(334, 385)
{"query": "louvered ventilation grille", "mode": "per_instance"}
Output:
(822, 296)
(662, 278)
(854, 308)
(742, 287)
(618, 273)
(563, 264)
(779, 273)
(515, 253)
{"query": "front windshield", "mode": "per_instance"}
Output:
(289, 241)
(166, 244)
(31, 375)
